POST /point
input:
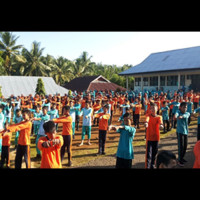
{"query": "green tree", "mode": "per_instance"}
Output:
(34, 66)
(82, 66)
(40, 87)
(62, 70)
(0, 92)
(9, 50)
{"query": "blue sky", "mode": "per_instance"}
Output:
(113, 48)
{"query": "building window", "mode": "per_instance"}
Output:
(154, 81)
(182, 81)
(137, 81)
(162, 81)
(146, 81)
(172, 80)
(189, 77)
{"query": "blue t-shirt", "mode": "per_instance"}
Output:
(86, 112)
(197, 111)
(165, 114)
(182, 124)
(125, 147)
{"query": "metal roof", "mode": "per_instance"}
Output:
(179, 59)
(26, 85)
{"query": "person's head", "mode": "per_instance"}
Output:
(71, 103)
(183, 107)
(26, 114)
(165, 159)
(165, 103)
(66, 110)
(126, 101)
(44, 110)
(177, 98)
(18, 112)
(38, 108)
(153, 108)
(1, 108)
(127, 110)
(53, 106)
(50, 129)
(87, 104)
(127, 120)
(105, 108)
(98, 101)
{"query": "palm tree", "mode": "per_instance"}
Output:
(82, 65)
(34, 66)
(62, 70)
(10, 50)
(49, 61)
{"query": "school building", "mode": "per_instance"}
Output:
(168, 70)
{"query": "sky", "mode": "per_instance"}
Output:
(109, 48)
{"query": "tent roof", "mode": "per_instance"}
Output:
(26, 85)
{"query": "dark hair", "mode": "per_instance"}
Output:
(27, 111)
(1, 106)
(66, 108)
(126, 115)
(153, 104)
(45, 107)
(49, 126)
(183, 104)
(164, 157)
(18, 110)
(106, 106)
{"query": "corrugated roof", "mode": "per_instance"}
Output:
(26, 85)
(91, 83)
(179, 59)
(104, 86)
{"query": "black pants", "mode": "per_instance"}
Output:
(102, 140)
(195, 105)
(136, 120)
(182, 145)
(174, 122)
(96, 119)
(122, 163)
(198, 132)
(189, 119)
(77, 122)
(22, 151)
(164, 123)
(151, 152)
(67, 143)
(5, 156)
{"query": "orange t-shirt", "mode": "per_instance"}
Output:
(196, 99)
(25, 131)
(67, 124)
(121, 100)
(6, 139)
(138, 108)
(153, 129)
(103, 122)
(51, 155)
(196, 151)
(96, 107)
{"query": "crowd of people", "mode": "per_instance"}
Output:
(39, 115)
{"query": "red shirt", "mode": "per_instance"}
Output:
(196, 151)
(50, 155)
(153, 129)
